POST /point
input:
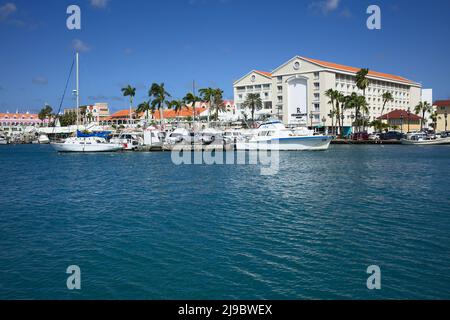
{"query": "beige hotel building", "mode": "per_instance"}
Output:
(296, 90)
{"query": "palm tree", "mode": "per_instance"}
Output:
(361, 80)
(387, 97)
(362, 83)
(145, 107)
(159, 95)
(340, 105)
(354, 101)
(207, 95)
(331, 95)
(253, 101)
(129, 91)
(434, 119)
(215, 99)
(192, 99)
(422, 107)
(177, 105)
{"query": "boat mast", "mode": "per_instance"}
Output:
(77, 93)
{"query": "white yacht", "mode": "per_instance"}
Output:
(87, 144)
(422, 139)
(129, 140)
(179, 135)
(84, 143)
(273, 135)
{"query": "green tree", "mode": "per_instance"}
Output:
(129, 91)
(434, 119)
(387, 97)
(330, 94)
(46, 113)
(253, 102)
(191, 99)
(423, 108)
(215, 99)
(145, 107)
(160, 96)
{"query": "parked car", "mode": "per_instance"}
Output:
(374, 137)
(392, 135)
(361, 136)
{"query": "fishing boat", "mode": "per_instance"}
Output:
(273, 135)
(84, 143)
(422, 139)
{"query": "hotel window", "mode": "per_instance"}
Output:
(316, 76)
(266, 87)
(266, 95)
(316, 96)
(280, 89)
(280, 99)
(317, 86)
(316, 107)
(268, 105)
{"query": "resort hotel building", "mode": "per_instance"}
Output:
(295, 92)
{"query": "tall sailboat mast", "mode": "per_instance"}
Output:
(78, 92)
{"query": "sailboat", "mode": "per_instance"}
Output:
(83, 142)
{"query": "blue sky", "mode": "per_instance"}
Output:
(213, 42)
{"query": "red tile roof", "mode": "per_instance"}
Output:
(355, 70)
(397, 114)
(264, 73)
(442, 103)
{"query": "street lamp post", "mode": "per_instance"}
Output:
(342, 124)
(409, 117)
(445, 116)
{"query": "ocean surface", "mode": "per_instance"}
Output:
(140, 227)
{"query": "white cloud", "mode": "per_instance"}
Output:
(40, 80)
(6, 10)
(325, 6)
(101, 4)
(80, 46)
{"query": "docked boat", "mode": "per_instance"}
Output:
(95, 142)
(274, 135)
(3, 140)
(86, 144)
(180, 135)
(43, 139)
(422, 139)
(129, 140)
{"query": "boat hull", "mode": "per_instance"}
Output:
(437, 142)
(314, 143)
(107, 147)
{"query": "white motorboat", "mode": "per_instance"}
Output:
(3, 140)
(129, 140)
(43, 139)
(274, 135)
(153, 138)
(422, 139)
(88, 144)
(179, 135)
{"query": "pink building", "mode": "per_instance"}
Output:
(20, 119)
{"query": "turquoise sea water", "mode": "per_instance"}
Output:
(140, 227)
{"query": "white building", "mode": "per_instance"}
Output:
(295, 91)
